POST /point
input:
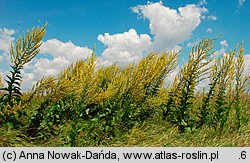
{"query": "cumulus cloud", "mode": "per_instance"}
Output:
(212, 17)
(28, 80)
(169, 26)
(247, 63)
(68, 50)
(165, 24)
(191, 44)
(170, 78)
(209, 30)
(224, 46)
(224, 43)
(241, 2)
(62, 54)
(202, 2)
(45, 66)
(124, 47)
(6, 37)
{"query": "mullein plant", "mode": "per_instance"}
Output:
(220, 101)
(99, 95)
(180, 104)
(94, 86)
(242, 82)
(149, 74)
(25, 49)
(226, 88)
(59, 95)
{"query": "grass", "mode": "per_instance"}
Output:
(153, 132)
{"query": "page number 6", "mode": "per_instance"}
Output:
(243, 155)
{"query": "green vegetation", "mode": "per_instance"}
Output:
(128, 106)
(1, 82)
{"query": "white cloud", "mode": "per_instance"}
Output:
(224, 46)
(62, 53)
(247, 63)
(212, 17)
(224, 43)
(124, 47)
(6, 37)
(241, 3)
(219, 52)
(209, 30)
(28, 80)
(42, 67)
(205, 83)
(191, 44)
(170, 78)
(169, 26)
(202, 2)
(46, 67)
(68, 50)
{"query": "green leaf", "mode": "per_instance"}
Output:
(17, 83)
(10, 79)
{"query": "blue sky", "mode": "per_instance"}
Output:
(132, 27)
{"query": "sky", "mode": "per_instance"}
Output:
(123, 31)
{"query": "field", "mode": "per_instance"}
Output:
(87, 105)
